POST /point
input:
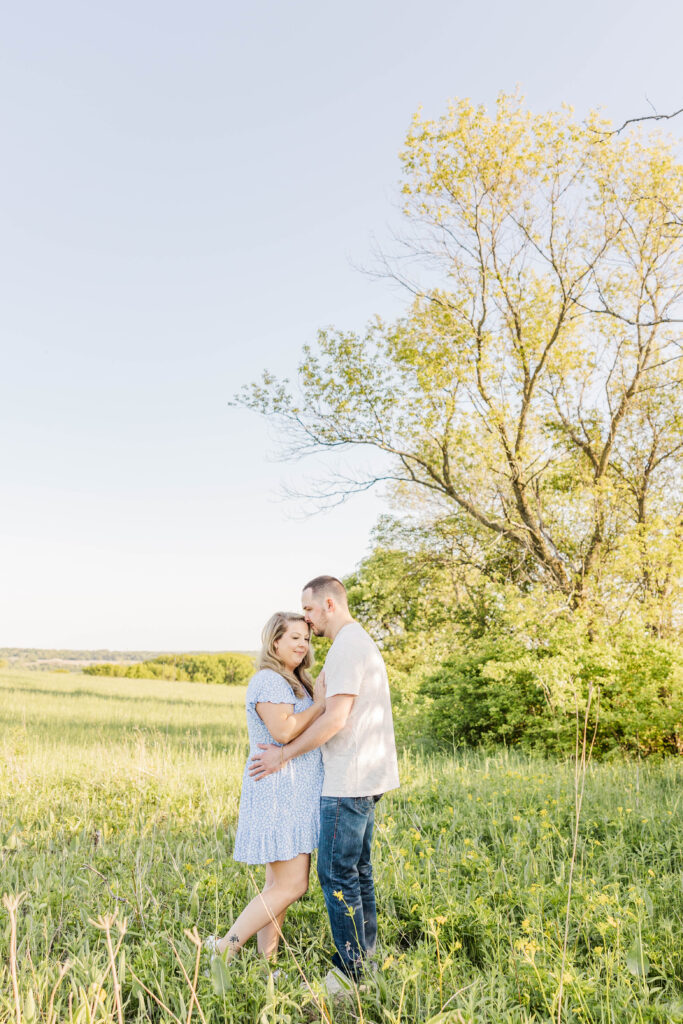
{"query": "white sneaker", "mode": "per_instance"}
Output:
(210, 946)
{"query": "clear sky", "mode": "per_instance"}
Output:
(186, 189)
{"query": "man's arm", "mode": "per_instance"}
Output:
(328, 725)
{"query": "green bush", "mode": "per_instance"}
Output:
(511, 690)
(227, 668)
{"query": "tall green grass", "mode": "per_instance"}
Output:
(120, 797)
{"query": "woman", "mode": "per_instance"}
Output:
(279, 818)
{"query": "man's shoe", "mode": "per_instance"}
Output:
(337, 983)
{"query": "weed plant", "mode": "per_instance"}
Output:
(118, 805)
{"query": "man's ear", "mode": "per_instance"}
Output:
(329, 601)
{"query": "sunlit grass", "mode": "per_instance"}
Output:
(122, 795)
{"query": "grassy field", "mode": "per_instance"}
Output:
(120, 797)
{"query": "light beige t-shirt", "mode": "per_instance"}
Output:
(361, 759)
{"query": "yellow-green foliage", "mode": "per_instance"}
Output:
(123, 795)
(472, 660)
(231, 668)
(532, 390)
(499, 691)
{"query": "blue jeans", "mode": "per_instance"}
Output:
(344, 868)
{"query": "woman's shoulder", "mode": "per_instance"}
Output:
(264, 675)
(267, 682)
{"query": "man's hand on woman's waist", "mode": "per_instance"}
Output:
(272, 758)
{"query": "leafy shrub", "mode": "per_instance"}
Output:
(508, 690)
(228, 668)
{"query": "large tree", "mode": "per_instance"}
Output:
(533, 388)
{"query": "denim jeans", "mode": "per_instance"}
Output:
(345, 874)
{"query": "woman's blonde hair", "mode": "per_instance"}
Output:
(275, 628)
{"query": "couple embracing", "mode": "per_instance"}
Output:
(320, 758)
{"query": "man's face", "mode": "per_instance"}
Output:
(315, 612)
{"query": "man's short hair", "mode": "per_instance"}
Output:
(327, 586)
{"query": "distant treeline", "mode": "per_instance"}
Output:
(230, 667)
(35, 655)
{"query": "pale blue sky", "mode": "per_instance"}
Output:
(185, 190)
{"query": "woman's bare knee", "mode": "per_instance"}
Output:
(301, 887)
(289, 892)
(292, 877)
(298, 884)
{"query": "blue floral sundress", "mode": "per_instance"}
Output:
(279, 815)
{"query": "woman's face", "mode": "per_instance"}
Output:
(292, 646)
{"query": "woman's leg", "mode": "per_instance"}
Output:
(290, 882)
(268, 937)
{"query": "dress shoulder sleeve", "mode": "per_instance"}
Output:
(268, 686)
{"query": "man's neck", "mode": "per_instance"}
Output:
(334, 628)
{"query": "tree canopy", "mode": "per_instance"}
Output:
(532, 392)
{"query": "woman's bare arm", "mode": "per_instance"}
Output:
(281, 722)
(271, 759)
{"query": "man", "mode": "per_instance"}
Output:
(356, 733)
